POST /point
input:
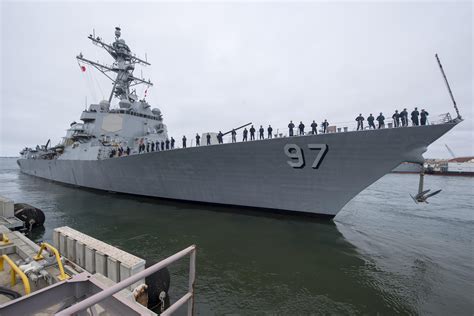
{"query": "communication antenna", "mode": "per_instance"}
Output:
(447, 85)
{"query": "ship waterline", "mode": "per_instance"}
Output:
(315, 174)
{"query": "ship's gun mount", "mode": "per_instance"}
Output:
(236, 129)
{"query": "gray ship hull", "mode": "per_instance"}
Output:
(256, 173)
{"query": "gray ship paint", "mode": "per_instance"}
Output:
(255, 174)
(315, 174)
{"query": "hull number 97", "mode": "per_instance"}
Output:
(296, 155)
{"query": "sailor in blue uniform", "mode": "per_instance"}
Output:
(360, 122)
(252, 133)
(414, 117)
(424, 117)
(381, 120)
(301, 128)
(290, 128)
(314, 128)
(269, 130)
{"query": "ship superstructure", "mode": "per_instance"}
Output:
(105, 131)
(123, 150)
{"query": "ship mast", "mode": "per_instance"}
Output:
(123, 66)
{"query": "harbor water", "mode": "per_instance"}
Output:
(382, 254)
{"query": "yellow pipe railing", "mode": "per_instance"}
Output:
(63, 276)
(15, 270)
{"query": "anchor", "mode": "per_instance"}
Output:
(423, 195)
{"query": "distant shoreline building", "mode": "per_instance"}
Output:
(460, 166)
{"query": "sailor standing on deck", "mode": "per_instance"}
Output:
(219, 138)
(314, 129)
(234, 134)
(208, 138)
(162, 145)
(261, 131)
(424, 116)
(244, 137)
(290, 128)
(404, 117)
(301, 128)
(381, 120)
(184, 141)
(172, 143)
(360, 122)
(325, 125)
(370, 120)
(167, 144)
(252, 133)
(152, 146)
(157, 145)
(198, 138)
(396, 119)
(269, 130)
(414, 117)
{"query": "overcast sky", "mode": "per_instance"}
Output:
(219, 65)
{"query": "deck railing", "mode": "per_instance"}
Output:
(187, 298)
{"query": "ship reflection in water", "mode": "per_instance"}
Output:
(382, 254)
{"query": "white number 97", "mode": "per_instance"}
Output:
(295, 153)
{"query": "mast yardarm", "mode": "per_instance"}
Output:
(123, 66)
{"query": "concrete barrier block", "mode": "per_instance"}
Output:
(6, 207)
(62, 244)
(56, 235)
(80, 254)
(113, 269)
(100, 263)
(126, 271)
(89, 259)
(71, 249)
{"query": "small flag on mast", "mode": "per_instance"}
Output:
(83, 68)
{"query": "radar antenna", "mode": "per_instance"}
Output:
(123, 66)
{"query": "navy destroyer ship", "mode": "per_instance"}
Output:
(315, 174)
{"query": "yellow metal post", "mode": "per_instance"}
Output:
(62, 276)
(12, 277)
(5, 240)
(15, 270)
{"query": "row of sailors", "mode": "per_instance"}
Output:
(156, 146)
(397, 117)
(417, 118)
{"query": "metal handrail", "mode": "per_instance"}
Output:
(188, 297)
(16, 270)
(62, 276)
